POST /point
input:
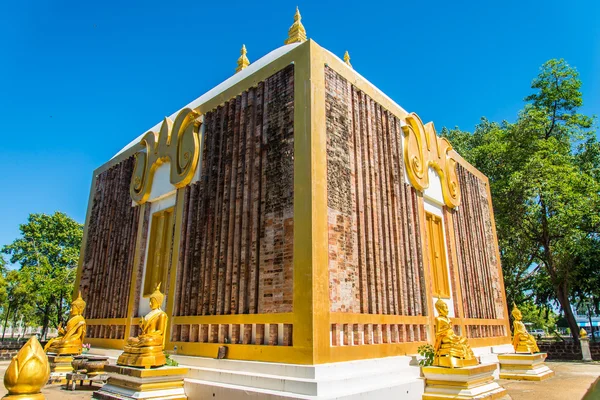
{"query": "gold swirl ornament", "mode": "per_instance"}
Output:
(27, 373)
(177, 143)
(424, 149)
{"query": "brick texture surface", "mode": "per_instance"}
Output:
(108, 260)
(478, 266)
(237, 230)
(375, 251)
(567, 350)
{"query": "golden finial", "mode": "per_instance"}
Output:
(583, 333)
(243, 61)
(296, 33)
(28, 372)
(347, 59)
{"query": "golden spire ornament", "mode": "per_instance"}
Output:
(347, 59)
(243, 61)
(296, 33)
(27, 373)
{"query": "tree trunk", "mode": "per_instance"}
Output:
(14, 324)
(559, 283)
(60, 309)
(46, 320)
(5, 322)
(589, 309)
(563, 298)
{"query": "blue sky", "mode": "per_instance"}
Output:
(80, 79)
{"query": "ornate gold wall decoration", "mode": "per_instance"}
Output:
(296, 33)
(28, 372)
(243, 61)
(424, 149)
(178, 143)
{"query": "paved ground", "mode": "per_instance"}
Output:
(572, 381)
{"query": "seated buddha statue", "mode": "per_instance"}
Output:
(70, 338)
(146, 350)
(523, 341)
(451, 350)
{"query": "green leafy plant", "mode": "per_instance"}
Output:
(428, 353)
(170, 361)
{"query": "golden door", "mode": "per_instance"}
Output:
(437, 256)
(159, 250)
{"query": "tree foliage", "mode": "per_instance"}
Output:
(47, 253)
(544, 172)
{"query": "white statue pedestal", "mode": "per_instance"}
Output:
(522, 366)
(476, 382)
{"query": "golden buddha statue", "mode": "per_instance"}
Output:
(523, 341)
(451, 350)
(70, 338)
(146, 350)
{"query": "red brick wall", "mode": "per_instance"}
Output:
(375, 251)
(237, 230)
(478, 265)
(108, 262)
(567, 350)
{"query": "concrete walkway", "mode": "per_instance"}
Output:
(571, 382)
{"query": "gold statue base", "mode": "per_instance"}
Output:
(60, 366)
(125, 383)
(474, 382)
(145, 357)
(524, 367)
(65, 351)
(37, 396)
(453, 362)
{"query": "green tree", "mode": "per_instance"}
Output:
(543, 171)
(540, 317)
(20, 301)
(48, 252)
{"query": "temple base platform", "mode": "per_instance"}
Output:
(474, 382)
(60, 366)
(382, 378)
(529, 367)
(126, 383)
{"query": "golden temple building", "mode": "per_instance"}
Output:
(298, 216)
